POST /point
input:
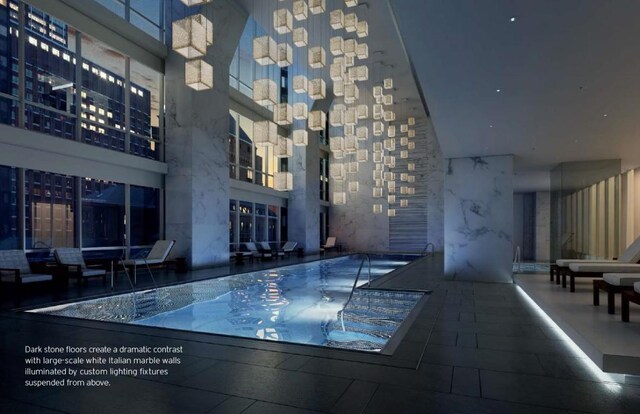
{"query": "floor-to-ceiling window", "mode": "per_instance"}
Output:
(8, 208)
(8, 65)
(57, 56)
(103, 213)
(145, 215)
(248, 162)
(50, 208)
(147, 15)
(246, 222)
(255, 222)
(324, 178)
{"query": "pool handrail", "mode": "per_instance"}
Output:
(355, 285)
(433, 249)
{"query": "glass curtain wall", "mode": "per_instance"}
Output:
(53, 85)
(147, 15)
(50, 208)
(255, 222)
(248, 162)
(50, 212)
(8, 208)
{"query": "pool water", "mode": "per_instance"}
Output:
(306, 304)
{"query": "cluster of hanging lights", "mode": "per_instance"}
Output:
(346, 59)
(191, 37)
(366, 118)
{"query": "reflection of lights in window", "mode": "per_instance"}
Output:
(100, 111)
(44, 47)
(111, 79)
(33, 41)
(55, 52)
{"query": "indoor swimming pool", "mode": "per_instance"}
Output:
(307, 303)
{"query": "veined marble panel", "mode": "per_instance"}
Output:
(478, 219)
(197, 185)
(543, 226)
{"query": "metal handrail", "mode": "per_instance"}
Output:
(355, 285)
(433, 249)
(517, 259)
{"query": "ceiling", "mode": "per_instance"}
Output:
(568, 75)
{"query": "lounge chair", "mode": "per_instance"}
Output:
(613, 283)
(74, 265)
(288, 248)
(329, 245)
(15, 269)
(595, 268)
(156, 257)
(257, 253)
(630, 255)
(265, 247)
(630, 296)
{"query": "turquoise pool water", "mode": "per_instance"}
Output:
(306, 304)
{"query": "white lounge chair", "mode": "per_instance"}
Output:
(630, 296)
(266, 247)
(257, 253)
(157, 256)
(613, 283)
(563, 266)
(330, 244)
(74, 265)
(288, 248)
(15, 269)
(594, 270)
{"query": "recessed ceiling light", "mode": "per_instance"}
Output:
(512, 19)
(498, 90)
(605, 115)
(491, 126)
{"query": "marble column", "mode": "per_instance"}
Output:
(197, 185)
(543, 226)
(304, 200)
(478, 221)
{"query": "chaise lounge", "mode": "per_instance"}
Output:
(156, 257)
(256, 252)
(631, 255)
(329, 245)
(630, 296)
(613, 283)
(15, 269)
(72, 261)
(288, 248)
(595, 270)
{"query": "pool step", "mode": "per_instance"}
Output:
(370, 318)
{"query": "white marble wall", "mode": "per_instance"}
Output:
(354, 224)
(478, 219)
(422, 221)
(304, 200)
(197, 186)
(435, 189)
(359, 229)
(543, 226)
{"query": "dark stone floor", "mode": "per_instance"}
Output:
(474, 348)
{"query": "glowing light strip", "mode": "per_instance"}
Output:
(608, 380)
